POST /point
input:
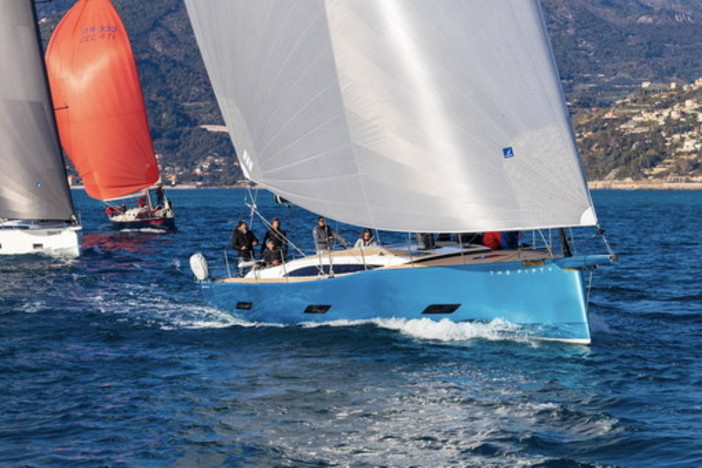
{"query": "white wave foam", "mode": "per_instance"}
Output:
(143, 230)
(33, 307)
(140, 303)
(448, 330)
(200, 318)
(203, 317)
(443, 330)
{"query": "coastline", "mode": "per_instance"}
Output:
(642, 185)
(190, 187)
(195, 186)
(592, 185)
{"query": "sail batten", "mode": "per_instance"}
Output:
(99, 103)
(33, 183)
(403, 115)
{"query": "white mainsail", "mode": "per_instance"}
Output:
(405, 115)
(33, 178)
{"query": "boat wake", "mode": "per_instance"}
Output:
(444, 330)
(448, 330)
(598, 324)
(200, 318)
(144, 230)
(195, 317)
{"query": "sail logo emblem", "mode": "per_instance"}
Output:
(248, 163)
(93, 33)
(508, 152)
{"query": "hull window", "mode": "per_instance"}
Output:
(441, 309)
(244, 305)
(317, 309)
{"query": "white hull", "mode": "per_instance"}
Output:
(46, 238)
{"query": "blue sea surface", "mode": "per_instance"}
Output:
(114, 359)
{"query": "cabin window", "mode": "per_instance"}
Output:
(37, 246)
(314, 270)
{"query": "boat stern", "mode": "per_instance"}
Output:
(57, 240)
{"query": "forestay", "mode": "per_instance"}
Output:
(406, 115)
(32, 178)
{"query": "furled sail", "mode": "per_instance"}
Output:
(33, 177)
(405, 115)
(99, 104)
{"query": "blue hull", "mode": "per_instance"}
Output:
(547, 301)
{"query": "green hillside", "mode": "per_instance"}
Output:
(655, 133)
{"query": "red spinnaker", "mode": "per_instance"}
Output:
(99, 104)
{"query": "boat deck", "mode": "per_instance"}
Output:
(395, 257)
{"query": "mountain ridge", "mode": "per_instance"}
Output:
(604, 49)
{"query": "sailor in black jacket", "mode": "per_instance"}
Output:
(244, 241)
(277, 235)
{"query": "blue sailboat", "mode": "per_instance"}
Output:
(405, 116)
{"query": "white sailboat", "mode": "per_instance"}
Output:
(36, 209)
(403, 115)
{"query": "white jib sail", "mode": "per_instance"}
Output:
(406, 115)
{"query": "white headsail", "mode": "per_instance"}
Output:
(32, 178)
(406, 115)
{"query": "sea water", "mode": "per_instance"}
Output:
(114, 359)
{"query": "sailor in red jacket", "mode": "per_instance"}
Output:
(497, 240)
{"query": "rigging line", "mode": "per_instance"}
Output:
(546, 243)
(573, 243)
(377, 236)
(226, 261)
(331, 263)
(409, 248)
(335, 240)
(252, 207)
(269, 226)
(601, 232)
